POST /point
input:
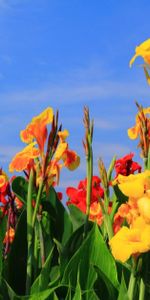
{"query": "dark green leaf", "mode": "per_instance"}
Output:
(15, 264)
(20, 188)
(92, 252)
(41, 282)
(104, 287)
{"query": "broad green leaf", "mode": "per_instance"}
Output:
(104, 287)
(41, 282)
(123, 292)
(72, 245)
(20, 188)
(77, 216)
(60, 220)
(92, 252)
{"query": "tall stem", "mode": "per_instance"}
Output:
(37, 203)
(89, 163)
(29, 232)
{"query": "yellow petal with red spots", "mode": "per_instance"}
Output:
(22, 158)
(60, 150)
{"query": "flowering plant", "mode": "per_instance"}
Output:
(97, 246)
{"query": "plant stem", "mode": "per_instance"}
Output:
(37, 203)
(41, 243)
(29, 232)
(89, 164)
(142, 290)
(131, 286)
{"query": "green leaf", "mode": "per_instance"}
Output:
(78, 292)
(20, 188)
(104, 287)
(41, 282)
(123, 292)
(72, 245)
(77, 216)
(121, 198)
(60, 220)
(15, 264)
(92, 252)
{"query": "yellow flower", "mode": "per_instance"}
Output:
(142, 50)
(22, 159)
(134, 131)
(128, 241)
(37, 129)
(144, 206)
(63, 135)
(135, 185)
(60, 150)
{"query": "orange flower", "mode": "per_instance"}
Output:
(9, 236)
(37, 129)
(23, 158)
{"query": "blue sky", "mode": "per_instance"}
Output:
(67, 54)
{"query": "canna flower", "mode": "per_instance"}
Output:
(135, 185)
(141, 130)
(77, 197)
(142, 50)
(37, 129)
(129, 241)
(144, 206)
(126, 166)
(22, 159)
(141, 118)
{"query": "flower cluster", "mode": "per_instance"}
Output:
(77, 197)
(134, 238)
(46, 154)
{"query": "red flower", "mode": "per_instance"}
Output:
(77, 197)
(126, 166)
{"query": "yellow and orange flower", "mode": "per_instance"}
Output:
(37, 129)
(130, 241)
(134, 131)
(23, 158)
(135, 185)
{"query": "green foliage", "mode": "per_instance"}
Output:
(20, 188)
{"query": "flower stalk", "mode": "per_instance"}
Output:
(89, 161)
(29, 232)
